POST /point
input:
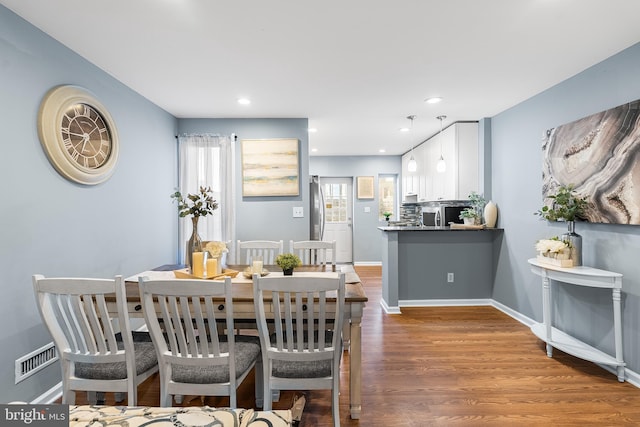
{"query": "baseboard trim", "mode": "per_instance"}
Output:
(387, 309)
(443, 302)
(49, 396)
(368, 263)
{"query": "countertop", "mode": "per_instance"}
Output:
(429, 228)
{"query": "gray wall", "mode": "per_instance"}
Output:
(367, 245)
(51, 226)
(516, 188)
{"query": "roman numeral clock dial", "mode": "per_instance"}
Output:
(78, 135)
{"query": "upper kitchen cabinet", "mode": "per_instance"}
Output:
(458, 145)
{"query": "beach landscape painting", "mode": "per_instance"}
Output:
(599, 155)
(270, 167)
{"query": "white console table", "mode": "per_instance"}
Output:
(582, 276)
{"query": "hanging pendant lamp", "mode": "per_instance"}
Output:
(441, 166)
(412, 166)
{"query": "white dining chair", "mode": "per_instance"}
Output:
(95, 356)
(185, 318)
(315, 252)
(302, 349)
(267, 249)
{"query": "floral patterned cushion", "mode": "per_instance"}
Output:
(99, 416)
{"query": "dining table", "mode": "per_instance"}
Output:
(244, 312)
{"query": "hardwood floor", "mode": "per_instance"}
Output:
(450, 366)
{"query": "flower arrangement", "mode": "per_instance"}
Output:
(288, 261)
(200, 204)
(554, 248)
(215, 248)
(566, 205)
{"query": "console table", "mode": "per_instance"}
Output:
(582, 276)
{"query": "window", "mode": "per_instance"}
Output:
(387, 185)
(335, 199)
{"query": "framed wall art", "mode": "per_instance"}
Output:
(270, 167)
(599, 156)
(365, 187)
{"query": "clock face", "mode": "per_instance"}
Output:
(78, 135)
(86, 136)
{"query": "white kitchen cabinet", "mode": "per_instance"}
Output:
(458, 144)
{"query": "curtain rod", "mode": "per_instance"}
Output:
(233, 135)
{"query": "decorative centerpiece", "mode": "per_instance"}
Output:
(555, 251)
(566, 205)
(287, 262)
(200, 204)
(473, 214)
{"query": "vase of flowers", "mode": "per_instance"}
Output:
(199, 204)
(566, 205)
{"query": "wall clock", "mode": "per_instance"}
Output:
(78, 135)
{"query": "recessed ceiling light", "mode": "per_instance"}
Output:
(382, 150)
(433, 100)
(314, 150)
(312, 130)
(404, 129)
(244, 101)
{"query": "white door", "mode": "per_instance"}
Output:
(338, 204)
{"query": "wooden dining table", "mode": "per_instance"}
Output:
(243, 309)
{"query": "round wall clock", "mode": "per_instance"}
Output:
(78, 135)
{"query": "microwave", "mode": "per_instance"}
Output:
(440, 215)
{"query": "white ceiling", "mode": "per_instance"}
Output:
(355, 68)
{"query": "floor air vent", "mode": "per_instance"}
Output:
(35, 361)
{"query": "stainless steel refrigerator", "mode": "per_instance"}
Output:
(316, 211)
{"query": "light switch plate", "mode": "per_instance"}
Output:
(298, 212)
(367, 209)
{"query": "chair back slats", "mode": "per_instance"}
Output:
(267, 249)
(188, 314)
(84, 322)
(314, 252)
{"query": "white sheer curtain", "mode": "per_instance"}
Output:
(207, 160)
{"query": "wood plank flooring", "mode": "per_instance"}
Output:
(455, 366)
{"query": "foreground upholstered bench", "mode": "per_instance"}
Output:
(98, 416)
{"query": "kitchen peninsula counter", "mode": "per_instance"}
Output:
(419, 262)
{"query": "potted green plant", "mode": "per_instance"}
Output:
(565, 205)
(287, 262)
(387, 216)
(473, 214)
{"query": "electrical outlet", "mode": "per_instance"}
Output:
(450, 277)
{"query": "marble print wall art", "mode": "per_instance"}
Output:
(600, 156)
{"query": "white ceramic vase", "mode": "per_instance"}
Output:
(490, 214)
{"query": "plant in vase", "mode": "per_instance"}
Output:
(287, 262)
(473, 214)
(387, 216)
(566, 205)
(199, 204)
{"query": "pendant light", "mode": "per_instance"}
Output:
(412, 166)
(441, 167)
